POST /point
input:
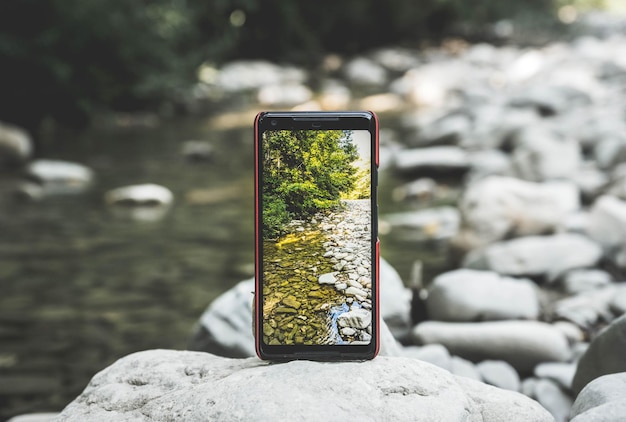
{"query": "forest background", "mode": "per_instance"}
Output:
(67, 61)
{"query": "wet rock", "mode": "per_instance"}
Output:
(470, 295)
(496, 206)
(145, 202)
(605, 355)
(545, 256)
(603, 399)
(499, 374)
(523, 344)
(57, 177)
(357, 318)
(16, 145)
(164, 384)
(328, 278)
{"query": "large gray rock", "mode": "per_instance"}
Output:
(165, 385)
(545, 256)
(523, 344)
(603, 399)
(605, 355)
(471, 295)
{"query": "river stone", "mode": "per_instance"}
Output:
(607, 226)
(605, 355)
(585, 279)
(548, 256)
(553, 398)
(471, 295)
(35, 417)
(500, 374)
(432, 160)
(495, 207)
(603, 399)
(58, 177)
(356, 318)
(165, 385)
(16, 145)
(523, 344)
(225, 328)
(560, 372)
(588, 309)
(328, 278)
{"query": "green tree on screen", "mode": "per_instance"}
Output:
(304, 172)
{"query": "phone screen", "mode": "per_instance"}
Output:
(316, 235)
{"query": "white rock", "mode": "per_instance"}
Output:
(59, 177)
(161, 385)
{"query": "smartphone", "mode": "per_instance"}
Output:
(316, 225)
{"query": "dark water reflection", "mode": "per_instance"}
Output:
(81, 288)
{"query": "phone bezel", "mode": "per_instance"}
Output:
(315, 120)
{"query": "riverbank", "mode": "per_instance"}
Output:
(317, 283)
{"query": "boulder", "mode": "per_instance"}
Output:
(164, 385)
(605, 355)
(603, 399)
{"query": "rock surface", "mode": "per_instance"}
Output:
(603, 399)
(165, 385)
(604, 356)
(523, 344)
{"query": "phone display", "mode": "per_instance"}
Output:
(316, 235)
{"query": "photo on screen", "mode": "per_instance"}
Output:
(317, 237)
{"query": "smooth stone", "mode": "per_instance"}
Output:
(436, 159)
(143, 202)
(585, 279)
(554, 399)
(548, 256)
(499, 374)
(436, 354)
(59, 177)
(588, 309)
(523, 344)
(161, 385)
(560, 372)
(603, 399)
(426, 224)
(464, 368)
(495, 207)
(328, 278)
(607, 226)
(605, 355)
(472, 295)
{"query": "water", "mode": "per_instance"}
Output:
(81, 288)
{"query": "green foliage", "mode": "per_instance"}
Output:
(304, 172)
(70, 59)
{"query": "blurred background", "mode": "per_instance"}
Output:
(126, 148)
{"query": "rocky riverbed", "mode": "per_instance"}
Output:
(318, 279)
